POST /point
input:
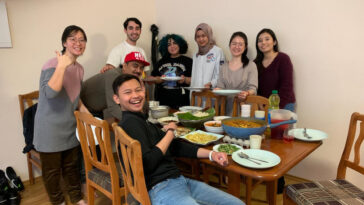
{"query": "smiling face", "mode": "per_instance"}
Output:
(201, 38)
(75, 44)
(173, 48)
(134, 68)
(133, 31)
(237, 46)
(266, 43)
(131, 96)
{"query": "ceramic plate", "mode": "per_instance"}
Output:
(316, 135)
(93, 130)
(166, 120)
(171, 78)
(216, 147)
(191, 134)
(226, 92)
(270, 157)
(194, 88)
(190, 108)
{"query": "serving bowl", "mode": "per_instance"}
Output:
(214, 127)
(189, 120)
(159, 111)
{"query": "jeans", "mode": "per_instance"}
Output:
(290, 107)
(185, 191)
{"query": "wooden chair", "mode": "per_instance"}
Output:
(132, 165)
(339, 189)
(257, 103)
(33, 158)
(218, 101)
(101, 173)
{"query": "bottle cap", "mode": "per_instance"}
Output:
(274, 91)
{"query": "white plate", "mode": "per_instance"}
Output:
(270, 157)
(219, 118)
(316, 135)
(216, 147)
(93, 130)
(195, 88)
(171, 78)
(199, 131)
(226, 92)
(164, 120)
(190, 108)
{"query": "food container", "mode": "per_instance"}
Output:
(214, 127)
(244, 133)
(159, 111)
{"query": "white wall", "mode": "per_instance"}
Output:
(36, 28)
(323, 39)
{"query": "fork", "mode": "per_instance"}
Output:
(305, 134)
(242, 154)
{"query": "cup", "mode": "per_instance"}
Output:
(245, 110)
(259, 114)
(255, 141)
(288, 135)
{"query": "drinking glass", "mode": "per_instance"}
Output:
(288, 135)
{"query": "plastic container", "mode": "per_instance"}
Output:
(279, 116)
(274, 100)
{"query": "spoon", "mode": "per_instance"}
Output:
(244, 156)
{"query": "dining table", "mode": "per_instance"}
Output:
(290, 154)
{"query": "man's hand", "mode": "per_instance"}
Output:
(106, 68)
(220, 158)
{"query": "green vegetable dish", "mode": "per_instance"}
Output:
(228, 148)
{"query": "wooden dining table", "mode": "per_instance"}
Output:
(290, 153)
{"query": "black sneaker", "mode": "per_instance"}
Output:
(14, 197)
(4, 185)
(15, 181)
(3, 199)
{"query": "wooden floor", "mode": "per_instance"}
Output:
(36, 195)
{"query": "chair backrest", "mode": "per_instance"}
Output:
(27, 100)
(131, 164)
(87, 137)
(355, 139)
(257, 103)
(210, 98)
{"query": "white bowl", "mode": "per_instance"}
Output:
(219, 118)
(159, 111)
(210, 126)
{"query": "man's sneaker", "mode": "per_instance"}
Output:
(14, 197)
(15, 181)
(4, 185)
(3, 199)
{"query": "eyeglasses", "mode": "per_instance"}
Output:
(237, 44)
(74, 40)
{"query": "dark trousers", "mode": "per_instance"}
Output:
(65, 163)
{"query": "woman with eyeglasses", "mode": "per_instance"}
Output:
(173, 64)
(55, 124)
(275, 70)
(238, 73)
(207, 60)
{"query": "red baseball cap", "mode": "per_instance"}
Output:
(136, 56)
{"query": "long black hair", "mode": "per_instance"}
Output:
(244, 57)
(260, 55)
(69, 31)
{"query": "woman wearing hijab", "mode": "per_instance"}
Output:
(207, 60)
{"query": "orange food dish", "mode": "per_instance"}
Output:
(213, 124)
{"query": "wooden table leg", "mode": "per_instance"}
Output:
(248, 190)
(234, 184)
(271, 192)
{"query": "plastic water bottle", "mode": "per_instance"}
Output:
(274, 100)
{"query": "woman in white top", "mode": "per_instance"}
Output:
(206, 62)
(238, 73)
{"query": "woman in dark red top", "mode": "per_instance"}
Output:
(275, 70)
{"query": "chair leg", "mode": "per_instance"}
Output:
(30, 169)
(116, 198)
(90, 194)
